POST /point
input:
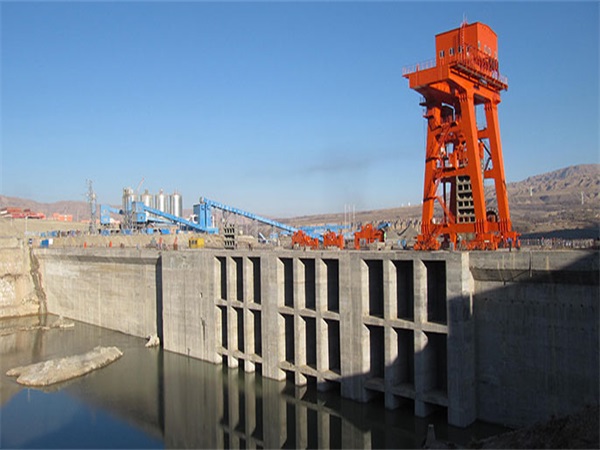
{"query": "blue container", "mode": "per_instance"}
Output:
(165, 231)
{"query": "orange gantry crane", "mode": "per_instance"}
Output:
(459, 88)
(330, 239)
(302, 240)
(367, 235)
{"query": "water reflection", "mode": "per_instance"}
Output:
(151, 398)
(35, 419)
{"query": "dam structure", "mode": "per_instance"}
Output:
(504, 337)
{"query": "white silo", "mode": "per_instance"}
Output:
(147, 199)
(177, 204)
(160, 201)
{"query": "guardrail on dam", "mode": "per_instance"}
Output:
(509, 338)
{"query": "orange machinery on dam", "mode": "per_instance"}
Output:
(459, 155)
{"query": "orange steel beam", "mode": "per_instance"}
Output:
(464, 76)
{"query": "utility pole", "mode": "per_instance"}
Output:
(92, 201)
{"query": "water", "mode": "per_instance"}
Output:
(155, 399)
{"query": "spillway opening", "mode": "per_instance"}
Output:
(333, 345)
(288, 281)
(333, 284)
(310, 287)
(239, 278)
(436, 291)
(376, 352)
(256, 282)
(375, 287)
(406, 356)
(290, 353)
(405, 289)
(222, 275)
(311, 342)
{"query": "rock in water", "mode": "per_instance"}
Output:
(54, 371)
(153, 341)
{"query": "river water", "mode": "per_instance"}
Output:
(151, 398)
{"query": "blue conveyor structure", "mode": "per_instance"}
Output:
(105, 212)
(322, 229)
(204, 212)
(140, 216)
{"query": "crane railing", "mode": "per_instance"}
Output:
(470, 60)
(423, 65)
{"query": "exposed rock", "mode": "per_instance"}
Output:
(432, 442)
(54, 371)
(153, 341)
(61, 323)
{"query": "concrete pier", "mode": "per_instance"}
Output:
(510, 338)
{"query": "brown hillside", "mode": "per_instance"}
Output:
(79, 210)
(550, 201)
(564, 199)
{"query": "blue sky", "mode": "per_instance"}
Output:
(279, 108)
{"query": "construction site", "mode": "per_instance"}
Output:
(447, 311)
(460, 92)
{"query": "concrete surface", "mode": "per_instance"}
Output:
(507, 337)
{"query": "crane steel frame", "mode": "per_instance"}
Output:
(459, 155)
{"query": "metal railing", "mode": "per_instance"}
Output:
(418, 66)
(475, 60)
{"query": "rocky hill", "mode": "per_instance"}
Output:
(79, 210)
(564, 200)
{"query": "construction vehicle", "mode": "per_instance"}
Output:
(196, 242)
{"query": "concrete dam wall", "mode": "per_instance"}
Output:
(509, 338)
(117, 290)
